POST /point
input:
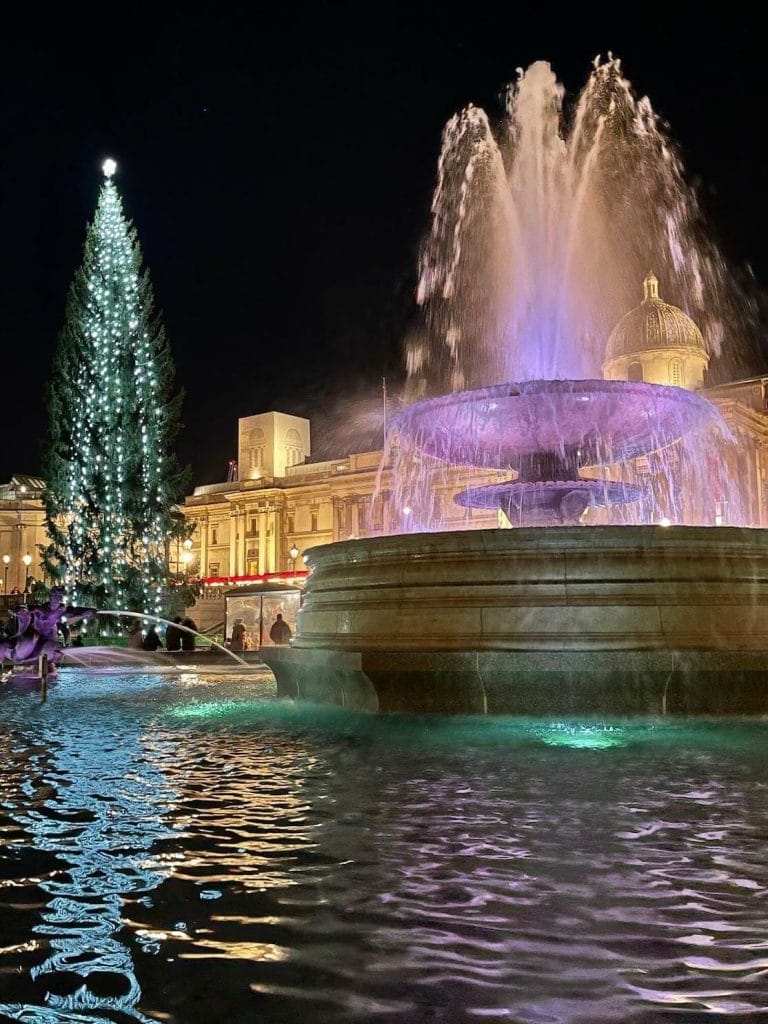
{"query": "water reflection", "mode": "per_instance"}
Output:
(96, 804)
(202, 852)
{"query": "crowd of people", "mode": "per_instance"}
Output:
(242, 639)
(178, 637)
(48, 629)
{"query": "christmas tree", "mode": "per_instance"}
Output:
(111, 474)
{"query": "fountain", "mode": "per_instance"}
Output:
(541, 230)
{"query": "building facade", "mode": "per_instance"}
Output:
(22, 531)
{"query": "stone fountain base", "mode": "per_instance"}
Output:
(563, 620)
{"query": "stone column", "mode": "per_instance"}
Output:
(240, 561)
(342, 528)
(757, 465)
(364, 514)
(202, 526)
(385, 517)
(263, 542)
(354, 515)
(277, 540)
(232, 568)
(762, 483)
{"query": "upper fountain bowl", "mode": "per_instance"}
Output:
(600, 421)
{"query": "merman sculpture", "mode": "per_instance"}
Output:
(33, 630)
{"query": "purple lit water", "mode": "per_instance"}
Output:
(194, 850)
(543, 226)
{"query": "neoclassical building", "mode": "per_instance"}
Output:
(659, 343)
(22, 531)
(283, 501)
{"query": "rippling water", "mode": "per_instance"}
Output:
(193, 850)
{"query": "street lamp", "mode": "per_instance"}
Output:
(294, 554)
(6, 563)
(27, 560)
(187, 555)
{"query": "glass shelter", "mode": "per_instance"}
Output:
(258, 606)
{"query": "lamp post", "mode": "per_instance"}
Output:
(27, 560)
(294, 554)
(6, 563)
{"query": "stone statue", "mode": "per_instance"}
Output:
(35, 630)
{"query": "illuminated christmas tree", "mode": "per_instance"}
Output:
(112, 477)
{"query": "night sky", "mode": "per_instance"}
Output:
(279, 170)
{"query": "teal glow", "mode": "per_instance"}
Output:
(583, 736)
(211, 709)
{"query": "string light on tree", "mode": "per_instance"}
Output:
(112, 478)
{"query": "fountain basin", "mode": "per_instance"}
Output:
(592, 422)
(550, 501)
(560, 620)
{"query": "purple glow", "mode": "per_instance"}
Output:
(547, 431)
(605, 421)
(542, 229)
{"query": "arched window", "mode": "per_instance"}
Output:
(676, 373)
(635, 371)
(294, 450)
(255, 442)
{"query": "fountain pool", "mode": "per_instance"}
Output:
(196, 850)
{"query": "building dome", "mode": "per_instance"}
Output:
(653, 325)
(658, 343)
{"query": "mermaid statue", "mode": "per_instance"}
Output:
(34, 630)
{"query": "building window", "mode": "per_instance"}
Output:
(289, 525)
(253, 527)
(313, 522)
(294, 453)
(635, 371)
(676, 373)
(214, 535)
(213, 568)
(255, 442)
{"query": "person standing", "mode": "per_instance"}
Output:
(173, 636)
(151, 640)
(188, 639)
(241, 638)
(280, 633)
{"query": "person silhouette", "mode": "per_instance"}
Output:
(280, 633)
